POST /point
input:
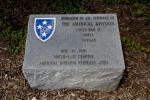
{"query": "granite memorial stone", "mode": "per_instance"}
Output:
(75, 51)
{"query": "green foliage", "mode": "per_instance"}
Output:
(123, 1)
(70, 7)
(128, 42)
(141, 10)
(15, 38)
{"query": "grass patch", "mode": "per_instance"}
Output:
(129, 42)
(15, 38)
(69, 7)
(142, 10)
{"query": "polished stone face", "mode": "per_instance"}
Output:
(81, 51)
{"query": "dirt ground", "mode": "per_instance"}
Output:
(135, 84)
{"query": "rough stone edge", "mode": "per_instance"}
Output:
(101, 79)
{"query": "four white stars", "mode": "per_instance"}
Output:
(49, 27)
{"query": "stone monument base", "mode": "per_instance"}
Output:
(74, 51)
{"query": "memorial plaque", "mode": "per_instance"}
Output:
(75, 51)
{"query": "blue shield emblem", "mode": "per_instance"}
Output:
(44, 28)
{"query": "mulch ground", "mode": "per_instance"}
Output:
(135, 84)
